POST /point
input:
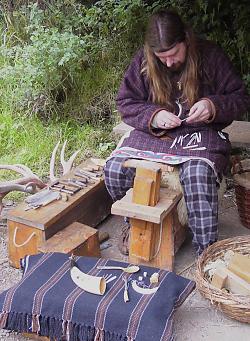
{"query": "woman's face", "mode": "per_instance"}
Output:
(175, 57)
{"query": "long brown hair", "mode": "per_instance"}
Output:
(166, 29)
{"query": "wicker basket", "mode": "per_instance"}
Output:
(235, 306)
(241, 177)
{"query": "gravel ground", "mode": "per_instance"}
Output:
(196, 319)
(8, 276)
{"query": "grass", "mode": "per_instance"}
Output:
(30, 142)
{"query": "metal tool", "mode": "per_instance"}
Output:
(72, 183)
(125, 293)
(91, 175)
(130, 269)
(29, 207)
(111, 279)
(85, 177)
(80, 181)
(107, 276)
(68, 191)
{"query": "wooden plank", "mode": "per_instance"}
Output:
(141, 239)
(22, 240)
(235, 284)
(142, 190)
(77, 238)
(154, 214)
(238, 132)
(154, 175)
(240, 265)
(165, 256)
(134, 163)
(144, 193)
(219, 279)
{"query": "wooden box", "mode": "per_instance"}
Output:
(29, 229)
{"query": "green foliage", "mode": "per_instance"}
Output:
(47, 53)
(31, 143)
(61, 63)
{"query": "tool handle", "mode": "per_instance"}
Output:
(109, 267)
(125, 295)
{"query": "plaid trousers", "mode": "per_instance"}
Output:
(199, 185)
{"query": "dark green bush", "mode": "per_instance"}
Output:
(66, 57)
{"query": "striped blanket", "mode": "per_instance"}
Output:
(47, 302)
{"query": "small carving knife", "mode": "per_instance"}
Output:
(125, 293)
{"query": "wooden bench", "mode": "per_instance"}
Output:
(28, 230)
(153, 217)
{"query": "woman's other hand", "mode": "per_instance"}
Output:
(201, 111)
(165, 120)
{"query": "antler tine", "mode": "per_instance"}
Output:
(67, 164)
(28, 176)
(27, 170)
(52, 163)
(14, 168)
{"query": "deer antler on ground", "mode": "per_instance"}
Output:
(67, 165)
(27, 183)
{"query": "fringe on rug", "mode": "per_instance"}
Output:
(56, 329)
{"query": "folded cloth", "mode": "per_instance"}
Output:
(46, 301)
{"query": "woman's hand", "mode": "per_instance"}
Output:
(165, 120)
(201, 111)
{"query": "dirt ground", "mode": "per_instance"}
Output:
(196, 319)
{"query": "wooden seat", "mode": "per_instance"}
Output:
(153, 216)
(77, 238)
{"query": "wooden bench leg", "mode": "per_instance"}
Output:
(147, 252)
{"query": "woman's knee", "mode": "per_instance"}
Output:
(197, 171)
(118, 179)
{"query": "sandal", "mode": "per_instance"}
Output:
(123, 243)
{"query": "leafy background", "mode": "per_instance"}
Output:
(61, 63)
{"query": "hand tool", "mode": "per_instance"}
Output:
(89, 174)
(84, 181)
(125, 293)
(111, 279)
(87, 178)
(130, 269)
(69, 182)
(68, 191)
(92, 168)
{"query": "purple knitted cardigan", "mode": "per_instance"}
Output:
(219, 83)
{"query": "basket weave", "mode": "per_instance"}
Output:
(234, 306)
(242, 190)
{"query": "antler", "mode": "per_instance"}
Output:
(27, 183)
(67, 165)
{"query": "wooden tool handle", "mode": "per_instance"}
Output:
(125, 295)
